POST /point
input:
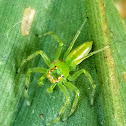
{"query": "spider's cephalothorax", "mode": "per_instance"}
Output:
(58, 72)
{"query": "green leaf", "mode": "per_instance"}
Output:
(104, 27)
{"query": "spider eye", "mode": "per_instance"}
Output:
(56, 67)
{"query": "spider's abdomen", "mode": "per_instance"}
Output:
(77, 55)
(57, 72)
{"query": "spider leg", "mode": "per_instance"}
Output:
(40, 52)
(74, 88)
(40, 82)
(58, 52)
(73, 77)
(66, 93)
(95, 52)
(74, 39)
(31, 70)
(50, 90)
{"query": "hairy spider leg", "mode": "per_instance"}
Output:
(74, 88)
(77, 74)
(74, 40)
(37, 69)
(40, 52)
(66, 93)
(58, 52)
(40, 82)
(50, 89)
(31, 70)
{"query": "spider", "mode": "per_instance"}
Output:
(59, 71)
